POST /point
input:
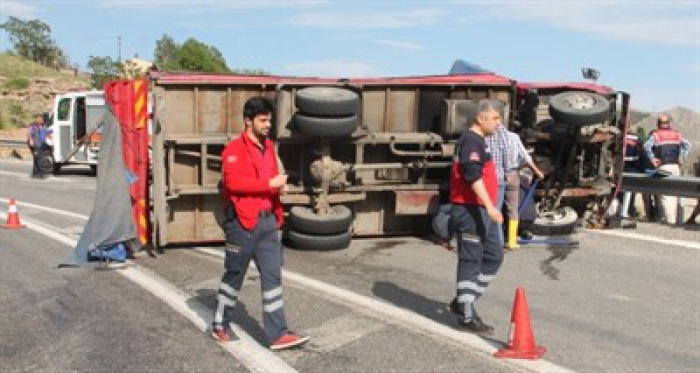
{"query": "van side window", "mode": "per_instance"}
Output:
(63, 109)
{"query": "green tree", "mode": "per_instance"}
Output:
(167, 54)
(251, 72)
(103, 69)
(194, 55)
(197, 56)
(32, 40)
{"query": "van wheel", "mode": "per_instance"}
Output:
(303, 241)
(305, 220)
(327, 101)
(578, 108)
(319, 126)
(560, 221)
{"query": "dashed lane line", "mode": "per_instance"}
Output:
(251, 354)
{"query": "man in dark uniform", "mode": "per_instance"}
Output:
(252, 184)
(475, 218)
(667, 150)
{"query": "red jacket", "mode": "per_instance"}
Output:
(243, 185)
(471, 149)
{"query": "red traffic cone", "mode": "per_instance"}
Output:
(522, 341)
(13, 217)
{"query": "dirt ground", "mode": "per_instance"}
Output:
(14, 152)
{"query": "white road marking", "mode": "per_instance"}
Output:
(26, 177)
(247, 350)
(405, 318)
(49, 209)
(64, 182)
(644, 237)
(619, 297)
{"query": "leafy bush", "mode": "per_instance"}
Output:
(17, 82)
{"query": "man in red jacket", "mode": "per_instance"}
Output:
(252, 184)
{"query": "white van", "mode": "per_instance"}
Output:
(76, 132)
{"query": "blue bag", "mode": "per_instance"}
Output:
(114, 253)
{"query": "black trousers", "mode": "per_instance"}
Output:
(262, 245)
(39, 157)
(480, 253)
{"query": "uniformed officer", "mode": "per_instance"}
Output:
(667, 150)
(475, 218)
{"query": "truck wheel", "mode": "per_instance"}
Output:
(579, 108)
(56, 169)
(561, 221)
(302, 241)
(319, 126)
(303, 219)
(327, 101)
(93, 169)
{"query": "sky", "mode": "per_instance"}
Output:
(650, 49)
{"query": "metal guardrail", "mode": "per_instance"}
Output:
(678, 186)
(13, 143)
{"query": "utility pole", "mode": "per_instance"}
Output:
(119, 42)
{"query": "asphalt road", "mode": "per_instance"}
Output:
(611, 304)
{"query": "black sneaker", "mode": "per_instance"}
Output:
(454, 307)
(477, 326)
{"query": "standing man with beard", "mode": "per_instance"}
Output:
(252, 184)
(475, 218)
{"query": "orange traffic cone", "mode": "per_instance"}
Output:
(522, 341)
(13, 217)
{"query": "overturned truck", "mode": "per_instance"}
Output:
(370, 157)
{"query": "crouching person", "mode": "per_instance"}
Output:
(252, 183)
(475, 220)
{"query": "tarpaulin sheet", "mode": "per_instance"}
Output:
(110, 221)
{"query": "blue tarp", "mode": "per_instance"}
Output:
(462, 67)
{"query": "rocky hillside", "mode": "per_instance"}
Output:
(27, 88)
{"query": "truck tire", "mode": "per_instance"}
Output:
(562, 221)
(578, 108)
(322, 126)
(302, 241)
(303, 219)
(93, 169)
(327, 101)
